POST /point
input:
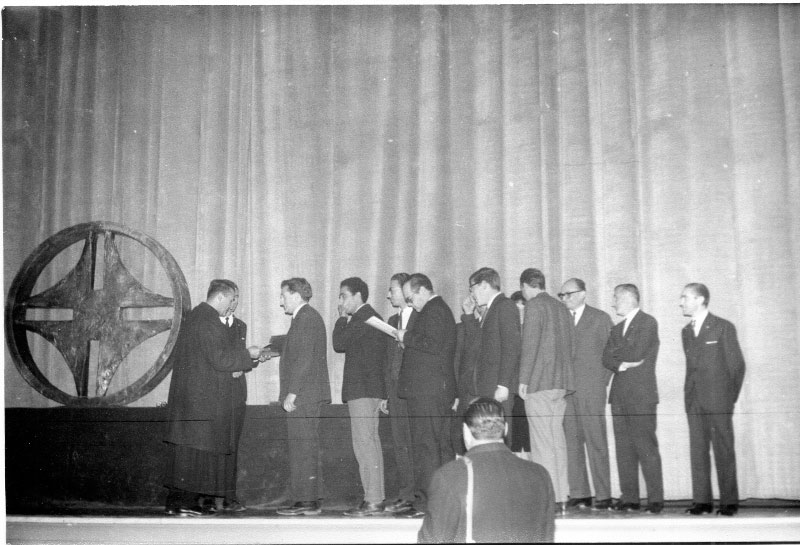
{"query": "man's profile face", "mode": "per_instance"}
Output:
(481, 293)
(573, 296)
(395, 295)
(623, 302)
(690, 302)
(289, 301)
(415, 299)
(233, 304)
(348, 301)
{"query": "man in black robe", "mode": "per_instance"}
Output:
(200, 434)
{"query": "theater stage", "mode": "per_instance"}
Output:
(757, 521)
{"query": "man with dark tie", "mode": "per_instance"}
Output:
(631, 353)
(304, 387)
(493, 371)
(238, 331)
(394, 406)
(363, 388)
(427, 382)
(714, 375)
(546, 377)
(585, 418)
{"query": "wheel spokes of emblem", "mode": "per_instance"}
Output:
(97, 314)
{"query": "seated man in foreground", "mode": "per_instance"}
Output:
(506, 499)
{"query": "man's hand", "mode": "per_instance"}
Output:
(288, 403)
(522, 390)
(625, 365)
(500, 393)
(265, 354)
(399, 334)
(255, 352)
(468, 305)
(384, 406)
(237, 374)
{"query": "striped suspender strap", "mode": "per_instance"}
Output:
(470, 498)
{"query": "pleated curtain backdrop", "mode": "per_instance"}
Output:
(653, 144)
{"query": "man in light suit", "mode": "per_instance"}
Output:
(427, 382)
(546, 377)
(363, 387)
(395, 407)
(631, 353)
(305, 386)
(714, 375)
(493, 372)
(585, 419)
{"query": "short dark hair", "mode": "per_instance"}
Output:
(298, 285)
(517, 296)
(532, 277)
(419, 280)
(629, 288)
(486, 419)
(220, 285)
(401, 278)
(485, 274)
(355, 285)
(701, 290)
(579, 283)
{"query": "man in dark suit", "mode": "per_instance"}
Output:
(714, 375)
(493, 372)
(427, 381)
(546, 377)
(631, 353)
(509, 500)
(238, 331)
(585, 419)
(394, 406)
(363, 388)
(200, 406)
(305, 386)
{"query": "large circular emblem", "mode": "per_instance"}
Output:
(98, 314)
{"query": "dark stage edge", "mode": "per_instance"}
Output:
(757, 521)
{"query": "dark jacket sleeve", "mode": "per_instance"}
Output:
(734, 360)
(444, 506)
(430, 331)
(510, 344)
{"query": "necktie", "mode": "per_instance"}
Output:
(694, 333)
(574, 317)
(228, 321)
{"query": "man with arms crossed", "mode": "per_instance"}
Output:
(363, 387)
(714, 376)
(585, 419)
(631, 353)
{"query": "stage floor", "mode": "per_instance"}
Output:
(757, 521)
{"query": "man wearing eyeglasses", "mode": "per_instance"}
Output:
(546, 377)
(585, 417)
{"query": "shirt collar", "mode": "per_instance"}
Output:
(301, 305)
(699, 318)
(579, 312)
(489, 304)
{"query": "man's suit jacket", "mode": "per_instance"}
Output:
(239, 330)
(714, 366)
(547, 346)
(304, 360)
(200, 403)
(498, 345)
(513, 500)
(637, 385)
(394, 354)
(430, 344)
(591, 335)
(365, 355)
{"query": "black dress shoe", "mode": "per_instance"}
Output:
(232, 506)
(728, 510)
(655, 508)
(625, 507)
(188, 512)
(301, 508)
(412, 514)
(398, 506)
(603, 505)
(579, 503)
(700, 508)
(366, 509)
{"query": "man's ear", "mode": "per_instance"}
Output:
(505, 430)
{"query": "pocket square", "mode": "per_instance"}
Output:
(712, 342)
